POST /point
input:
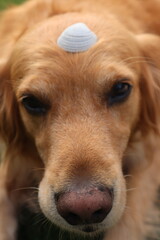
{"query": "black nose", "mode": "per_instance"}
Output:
(85, 206)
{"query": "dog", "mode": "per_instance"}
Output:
(79, 115)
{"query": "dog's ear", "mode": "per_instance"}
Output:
(14, 22)
(10, 31)
(10, 123)
(150, 82)
(18, 144)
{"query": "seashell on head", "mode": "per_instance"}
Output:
(77, 38)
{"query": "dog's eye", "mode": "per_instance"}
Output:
(119, 92)
(33, 105)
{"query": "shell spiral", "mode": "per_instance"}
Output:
(77, 38)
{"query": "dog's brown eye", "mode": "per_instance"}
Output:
(33, 105)
(119, 93)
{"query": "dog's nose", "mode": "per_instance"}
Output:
(85, 206)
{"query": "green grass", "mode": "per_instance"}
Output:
(5, 3)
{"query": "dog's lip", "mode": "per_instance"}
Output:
(91, 229)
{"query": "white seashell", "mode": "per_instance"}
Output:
(77, 38)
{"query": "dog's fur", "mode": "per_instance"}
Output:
(81, 139)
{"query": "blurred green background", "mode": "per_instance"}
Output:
(5, 3)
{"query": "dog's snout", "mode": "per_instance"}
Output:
(85, 206)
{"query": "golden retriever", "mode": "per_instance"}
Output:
(82, 127)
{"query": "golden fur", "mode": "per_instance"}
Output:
(80, 139)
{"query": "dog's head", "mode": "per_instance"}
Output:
(81, 111)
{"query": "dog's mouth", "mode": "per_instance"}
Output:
(89, 228)
(92, 232)
(83, 209)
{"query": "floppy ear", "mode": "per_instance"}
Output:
(21, 155)
(9, 116)
(13, 23)
(10, 123)
(150, 83)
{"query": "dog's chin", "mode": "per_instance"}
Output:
(92, 232)
(89, 231)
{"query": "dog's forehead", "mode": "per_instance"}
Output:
(81, 31)
(40, 48)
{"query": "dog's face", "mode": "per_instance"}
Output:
(81, 110)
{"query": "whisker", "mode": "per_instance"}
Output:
(127, 175)
(124, 190)
(61, 234)
(49, 228)
(131, 189)
(26, 188)
(41, 219)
